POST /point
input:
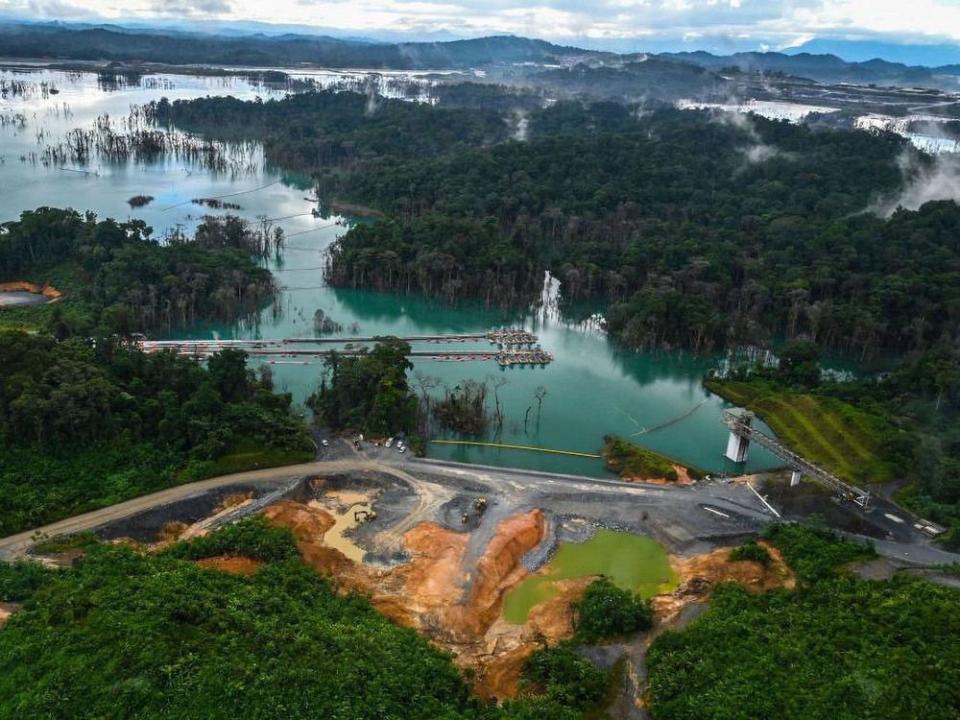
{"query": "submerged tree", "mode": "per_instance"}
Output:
(464, 408)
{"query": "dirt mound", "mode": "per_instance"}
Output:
(172, 531)
(683, 478)
(308, 523)
(500, 569)
(700, 573)
(235, 500)
(231, 564)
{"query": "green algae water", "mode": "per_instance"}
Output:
(594, 387)
(633, 562)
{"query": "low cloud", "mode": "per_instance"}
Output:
(192, 8)
(756, 151)
(923, 183)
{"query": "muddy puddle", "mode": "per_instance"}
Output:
(349, 509)
(633, 562)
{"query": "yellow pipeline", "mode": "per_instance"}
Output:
(516, 447)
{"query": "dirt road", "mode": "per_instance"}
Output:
(16, 545)
(685, 519)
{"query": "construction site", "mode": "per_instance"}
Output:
(443, 548)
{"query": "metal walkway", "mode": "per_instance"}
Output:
(739, 423)
(504, 337)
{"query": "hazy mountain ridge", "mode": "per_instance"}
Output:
(180, 46)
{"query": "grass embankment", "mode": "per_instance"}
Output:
(829, 432)
(836, 648)
(632, 462)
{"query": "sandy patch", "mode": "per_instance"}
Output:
(346, 498)
(347, 519)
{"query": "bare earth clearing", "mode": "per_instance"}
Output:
(431, 560)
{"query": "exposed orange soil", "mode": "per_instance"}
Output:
(433, 592)
(172, 531)
(458, 607)
(683, 478)
(231, 564)
(699, 573)
(48, 291)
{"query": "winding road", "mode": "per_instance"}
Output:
(683, 517)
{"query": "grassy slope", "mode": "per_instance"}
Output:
(633, 461)
(826, 431)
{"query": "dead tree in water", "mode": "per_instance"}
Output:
(498, 382)
(540, 393)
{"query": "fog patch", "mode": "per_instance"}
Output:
(756, 151)
(761, 153)
(939, 180)
(371, 88)
(520, 122)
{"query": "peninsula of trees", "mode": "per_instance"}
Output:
(118, 279)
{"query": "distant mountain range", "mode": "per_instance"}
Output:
(175, 45)
(825, 68)
(108, 43)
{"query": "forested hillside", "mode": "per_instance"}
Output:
(184, 48)
(125, 634)
(836, 648)
(86, 424)
(117, 279)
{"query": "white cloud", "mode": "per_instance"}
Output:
(780, 23)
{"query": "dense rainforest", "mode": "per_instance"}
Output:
(835, 648)
(321, 131)
(125, 634)
(697, 230)
(86, 424)
(118, 279)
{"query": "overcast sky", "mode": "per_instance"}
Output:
(771, 23)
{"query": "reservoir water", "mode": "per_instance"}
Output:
(593, 388)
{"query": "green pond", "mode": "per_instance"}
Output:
(632, 562)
